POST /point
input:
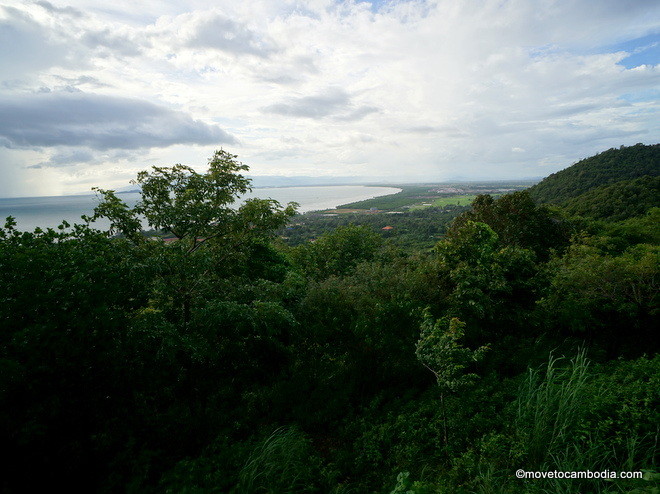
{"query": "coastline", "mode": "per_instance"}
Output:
(49, 211)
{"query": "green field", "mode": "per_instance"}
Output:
(457, 200)
(408, 196)
(436, 195)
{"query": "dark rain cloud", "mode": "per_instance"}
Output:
(67, 157)
(99, 122)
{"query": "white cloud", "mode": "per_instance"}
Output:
(411, 90)
(333, 102)
(27, 48)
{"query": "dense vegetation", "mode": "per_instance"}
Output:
(420, 228)
(617, 201)
(229, 361)
(413, 219)
(608, 167)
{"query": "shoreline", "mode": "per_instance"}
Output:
(50, 211)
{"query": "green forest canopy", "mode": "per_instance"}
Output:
(611, 166)
(227, 361)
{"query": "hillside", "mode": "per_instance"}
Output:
(608, 167)
(617, 201)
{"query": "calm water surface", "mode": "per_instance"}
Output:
(48, 212)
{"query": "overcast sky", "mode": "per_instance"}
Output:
(91, 92)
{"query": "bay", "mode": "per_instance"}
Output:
(48, 212)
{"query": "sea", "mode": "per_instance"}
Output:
(48, 212)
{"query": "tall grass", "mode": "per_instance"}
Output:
(552, 413)
(281, 463)
(550, 406)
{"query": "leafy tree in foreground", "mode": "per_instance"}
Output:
(194, 207)
(199, 210)
(440, 351)
(67, 299)
(120, 355)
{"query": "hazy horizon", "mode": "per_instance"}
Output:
(309, 182)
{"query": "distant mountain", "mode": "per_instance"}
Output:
(608, 167)
(301, 181)
(128, 189)
(279, 181)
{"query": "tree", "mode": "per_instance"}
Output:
(518, 222)
(441, 352)
(68, 296)
(338, 252)
(194, 207)
(199, 209)
(484, 280)
(593, 295)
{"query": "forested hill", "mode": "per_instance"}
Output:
(617, 201)
(606, 168)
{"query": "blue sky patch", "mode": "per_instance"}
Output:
(643, 51)
(376, 5)
(641, 96)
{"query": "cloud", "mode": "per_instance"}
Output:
(42, 36)
(99, 122)
(317, 106)
(440, 85)
(225, 34)
(333, 102)
(115, 43)
(287, 70)
(64, 157)
(68, 11)
(69, 157)
(82, 80)
(443, 130)
(283, 79)
(591, 135)
(27, 46)
(357, 114)
(214, 30)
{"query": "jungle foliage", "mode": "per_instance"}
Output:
(228, 361)
(613, 165)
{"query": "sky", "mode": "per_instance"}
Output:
(394, 91)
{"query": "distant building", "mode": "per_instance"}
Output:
(387, 228)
